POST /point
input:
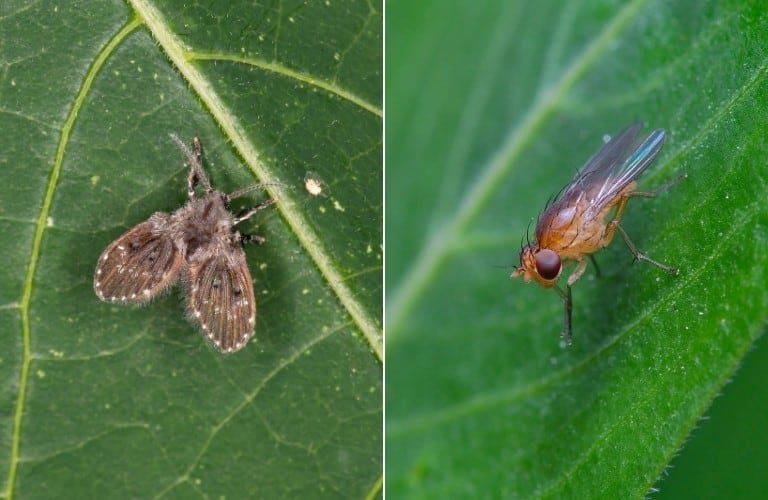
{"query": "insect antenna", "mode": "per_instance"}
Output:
(503, 266)
(195, 159)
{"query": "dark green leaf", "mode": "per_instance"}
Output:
(492, 106)
(110, 401)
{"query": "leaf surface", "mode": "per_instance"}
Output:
(118, 402)
(481, 398)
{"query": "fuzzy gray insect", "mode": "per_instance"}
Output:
(196, 244)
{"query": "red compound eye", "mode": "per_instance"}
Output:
(548, 264)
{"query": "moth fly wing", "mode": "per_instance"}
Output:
(220, 299)
(138, 265)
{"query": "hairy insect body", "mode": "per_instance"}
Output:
(203, 226)
(197, 245)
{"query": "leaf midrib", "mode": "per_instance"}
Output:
(289, 208)
(418, 275)
(533, 387)
(301, 228)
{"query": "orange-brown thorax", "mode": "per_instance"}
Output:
(569, 230)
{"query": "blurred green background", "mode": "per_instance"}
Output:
(727, 453)
(491, 107)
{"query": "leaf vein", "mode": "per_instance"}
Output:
(40, 227)
(287, 72)
(289, 208)
(247, 400)
(486, 402)
(434, 253)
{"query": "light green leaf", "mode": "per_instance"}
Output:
(109, 401)
(492, 106)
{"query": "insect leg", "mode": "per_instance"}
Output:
(610, 228)
(576, 274)
(621, 205)
(255, 187)
(597, 268)
(641, 256)
(252, 238)
(249, 212)
(658, 190)
(567, 310)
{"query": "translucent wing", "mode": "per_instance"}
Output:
(138, 265)
(220, 299)
(615, 165)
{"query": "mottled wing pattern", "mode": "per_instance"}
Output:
(138, 265)
(220, 298)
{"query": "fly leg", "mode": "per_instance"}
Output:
(245, 215)
(621, 205)
(576, 274)
(641, 256)
(567, 309)
(610, 228)
(252, 238)
(249, 212)
(658, 190)
(567, 301)
(613, 225)
(594, 264)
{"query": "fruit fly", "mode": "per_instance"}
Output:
(585, 215)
